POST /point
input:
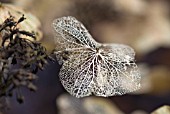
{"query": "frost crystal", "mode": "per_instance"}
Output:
(89, 67)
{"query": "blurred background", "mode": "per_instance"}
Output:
(142, 24)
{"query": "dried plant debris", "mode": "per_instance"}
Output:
(30, 24)
(89, 67)
(4, 104)
(20, 59)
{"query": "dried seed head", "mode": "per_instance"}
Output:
(30, 24)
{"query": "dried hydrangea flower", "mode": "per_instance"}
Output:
(89, 67)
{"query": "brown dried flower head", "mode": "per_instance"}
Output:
(30, 24)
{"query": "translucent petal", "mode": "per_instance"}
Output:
(117, 72)
(89, 67)
(73, 32)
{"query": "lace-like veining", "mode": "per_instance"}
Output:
(89, 67)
